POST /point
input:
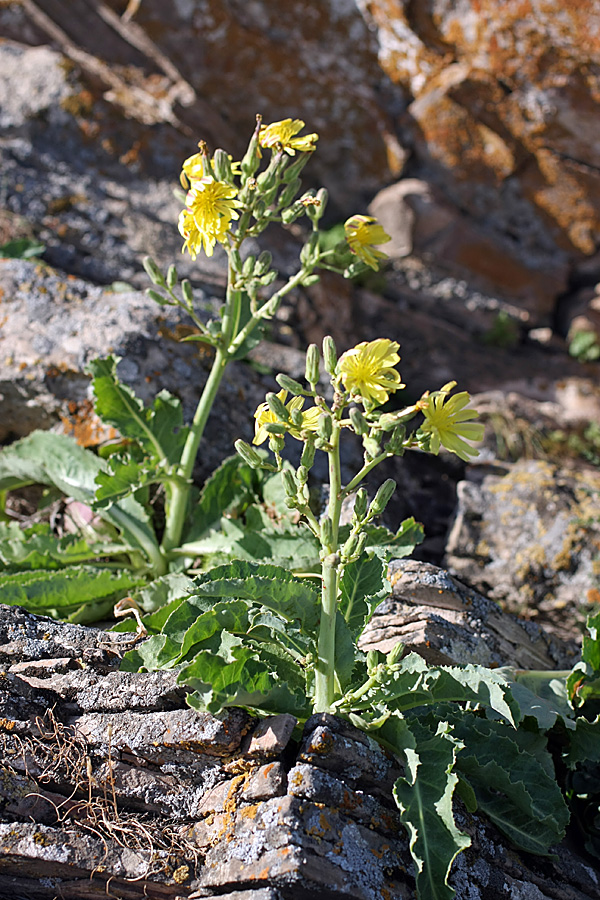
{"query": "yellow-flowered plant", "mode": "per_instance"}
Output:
(448, 422)
(228, 202)
(364, 235)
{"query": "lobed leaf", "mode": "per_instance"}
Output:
(363, 586)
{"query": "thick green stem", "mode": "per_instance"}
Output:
(325, 668)
(179, 491)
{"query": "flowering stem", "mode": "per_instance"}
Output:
(325, 667)
(365, 471)
(179, 490)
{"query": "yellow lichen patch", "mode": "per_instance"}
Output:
(250, 812)
(181, 874)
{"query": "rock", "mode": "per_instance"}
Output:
(447, 622)
(526, 534)
(162, 803)
(420, 222)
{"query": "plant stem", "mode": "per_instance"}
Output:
(179, 490)
(325, 667)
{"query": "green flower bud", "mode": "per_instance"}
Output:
(296, 165)
(325, 426)
(158, 298)
(327, 532)
(362, 543)
(371, 446)
(292, 213)
(361, 502)
(289, 483)
(249, 263)
(329, 354)
(277, 407)
(310, 279)
(395, 654)
(358, 421)
(171, 276)
(263, 263)
(222, 166)
(269, 278)
(289, 192)
(350, 546)
(382, 497)
(236, 259)
(275, 429)
(312, 364)
(259, 208)
(251, 160)
(302, 474)
(188, 296)
(248, 454)
(308, 454)
(396, 441)
(374, 659)
(309, 253)
(153, 272)
(290, 385)
(296, 417)
(316, 209)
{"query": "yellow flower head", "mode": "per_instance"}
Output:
(363, 234)
(447, 421)
(193, 168)
(368, 372)
(210, 207)
(284, 133)
(264, 416)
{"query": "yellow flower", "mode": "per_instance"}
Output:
(363, 234)
(264, 416)
(210, 208)
(284, 133)
(193, 168)
(368, 372)
(447, 421)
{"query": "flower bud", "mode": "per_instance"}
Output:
(310, 250)
(396, 442)
(382, 497)
(329, 354)
(302, 474)
(153, 272)
(263, 263)
(269, 278)
(248, 267)
(248, 454)
(235, 259)
(295, 166)
(395, 654)
(158, 298)
(350, 546)
(292, 213)
(316, 209)
(327, 532)
(289, 192)
(275, 429)
(259, 208)
(251, 160)
(171, 276)
(325, 426)
(371, 446)
(289, 483)
(290, 385)
(312, 364)
(358, 421)
(308, 454)
(296, 417)
(310, 279)
(222, 166)
(361, 502)
(374, 659)
(188, 296)
(277, 407)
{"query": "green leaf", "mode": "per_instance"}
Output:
(513, 788)
(44, 457)
(61, 592)
(22, 248)
(584, 743)
(124, 477)
(402, 543)
(345, 651)
(159, 430)
(37, 547)
(232, 484)
(363, 586)
(424, 798)
(241, 681)
(271, 586)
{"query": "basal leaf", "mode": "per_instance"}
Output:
(244, 681)
(363, 586)
(424, 798)
(513, 788)
(124, 476)
(271, 586)
(584, 743)
(62, 591)
(37, 547)
(44, 457)
(158, 429)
